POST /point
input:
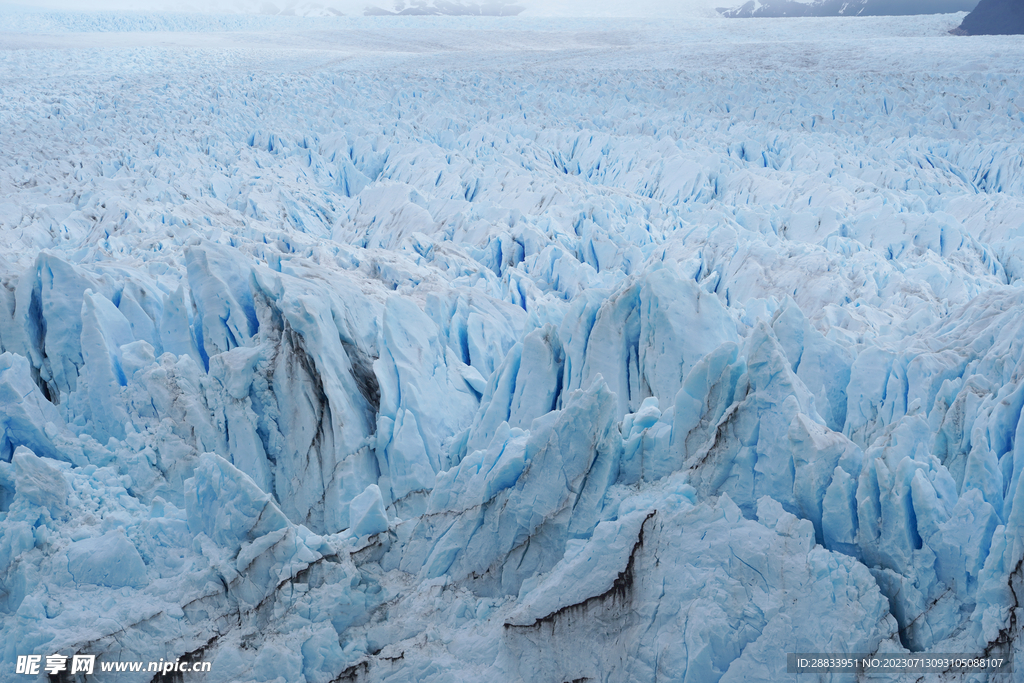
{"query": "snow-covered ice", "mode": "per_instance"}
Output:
(508, 350)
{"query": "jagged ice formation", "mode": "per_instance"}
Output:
(578, 356)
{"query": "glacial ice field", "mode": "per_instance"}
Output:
(487, 350)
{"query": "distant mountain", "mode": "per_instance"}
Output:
(329, 8)
(299, 9)
(994, 17)
(831, 8)
(447, 8)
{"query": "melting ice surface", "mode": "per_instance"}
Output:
(437, 351)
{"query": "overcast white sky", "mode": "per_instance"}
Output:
(652, 8)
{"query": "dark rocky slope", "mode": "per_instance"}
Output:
(994, 17)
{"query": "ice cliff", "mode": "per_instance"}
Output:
(543, 374)
(849, 8)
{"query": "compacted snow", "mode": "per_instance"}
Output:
(508, 350)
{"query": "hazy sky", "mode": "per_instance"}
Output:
(653, 8)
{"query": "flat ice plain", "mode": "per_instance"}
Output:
(383, 349)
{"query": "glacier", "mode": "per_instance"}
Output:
(451, 349)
